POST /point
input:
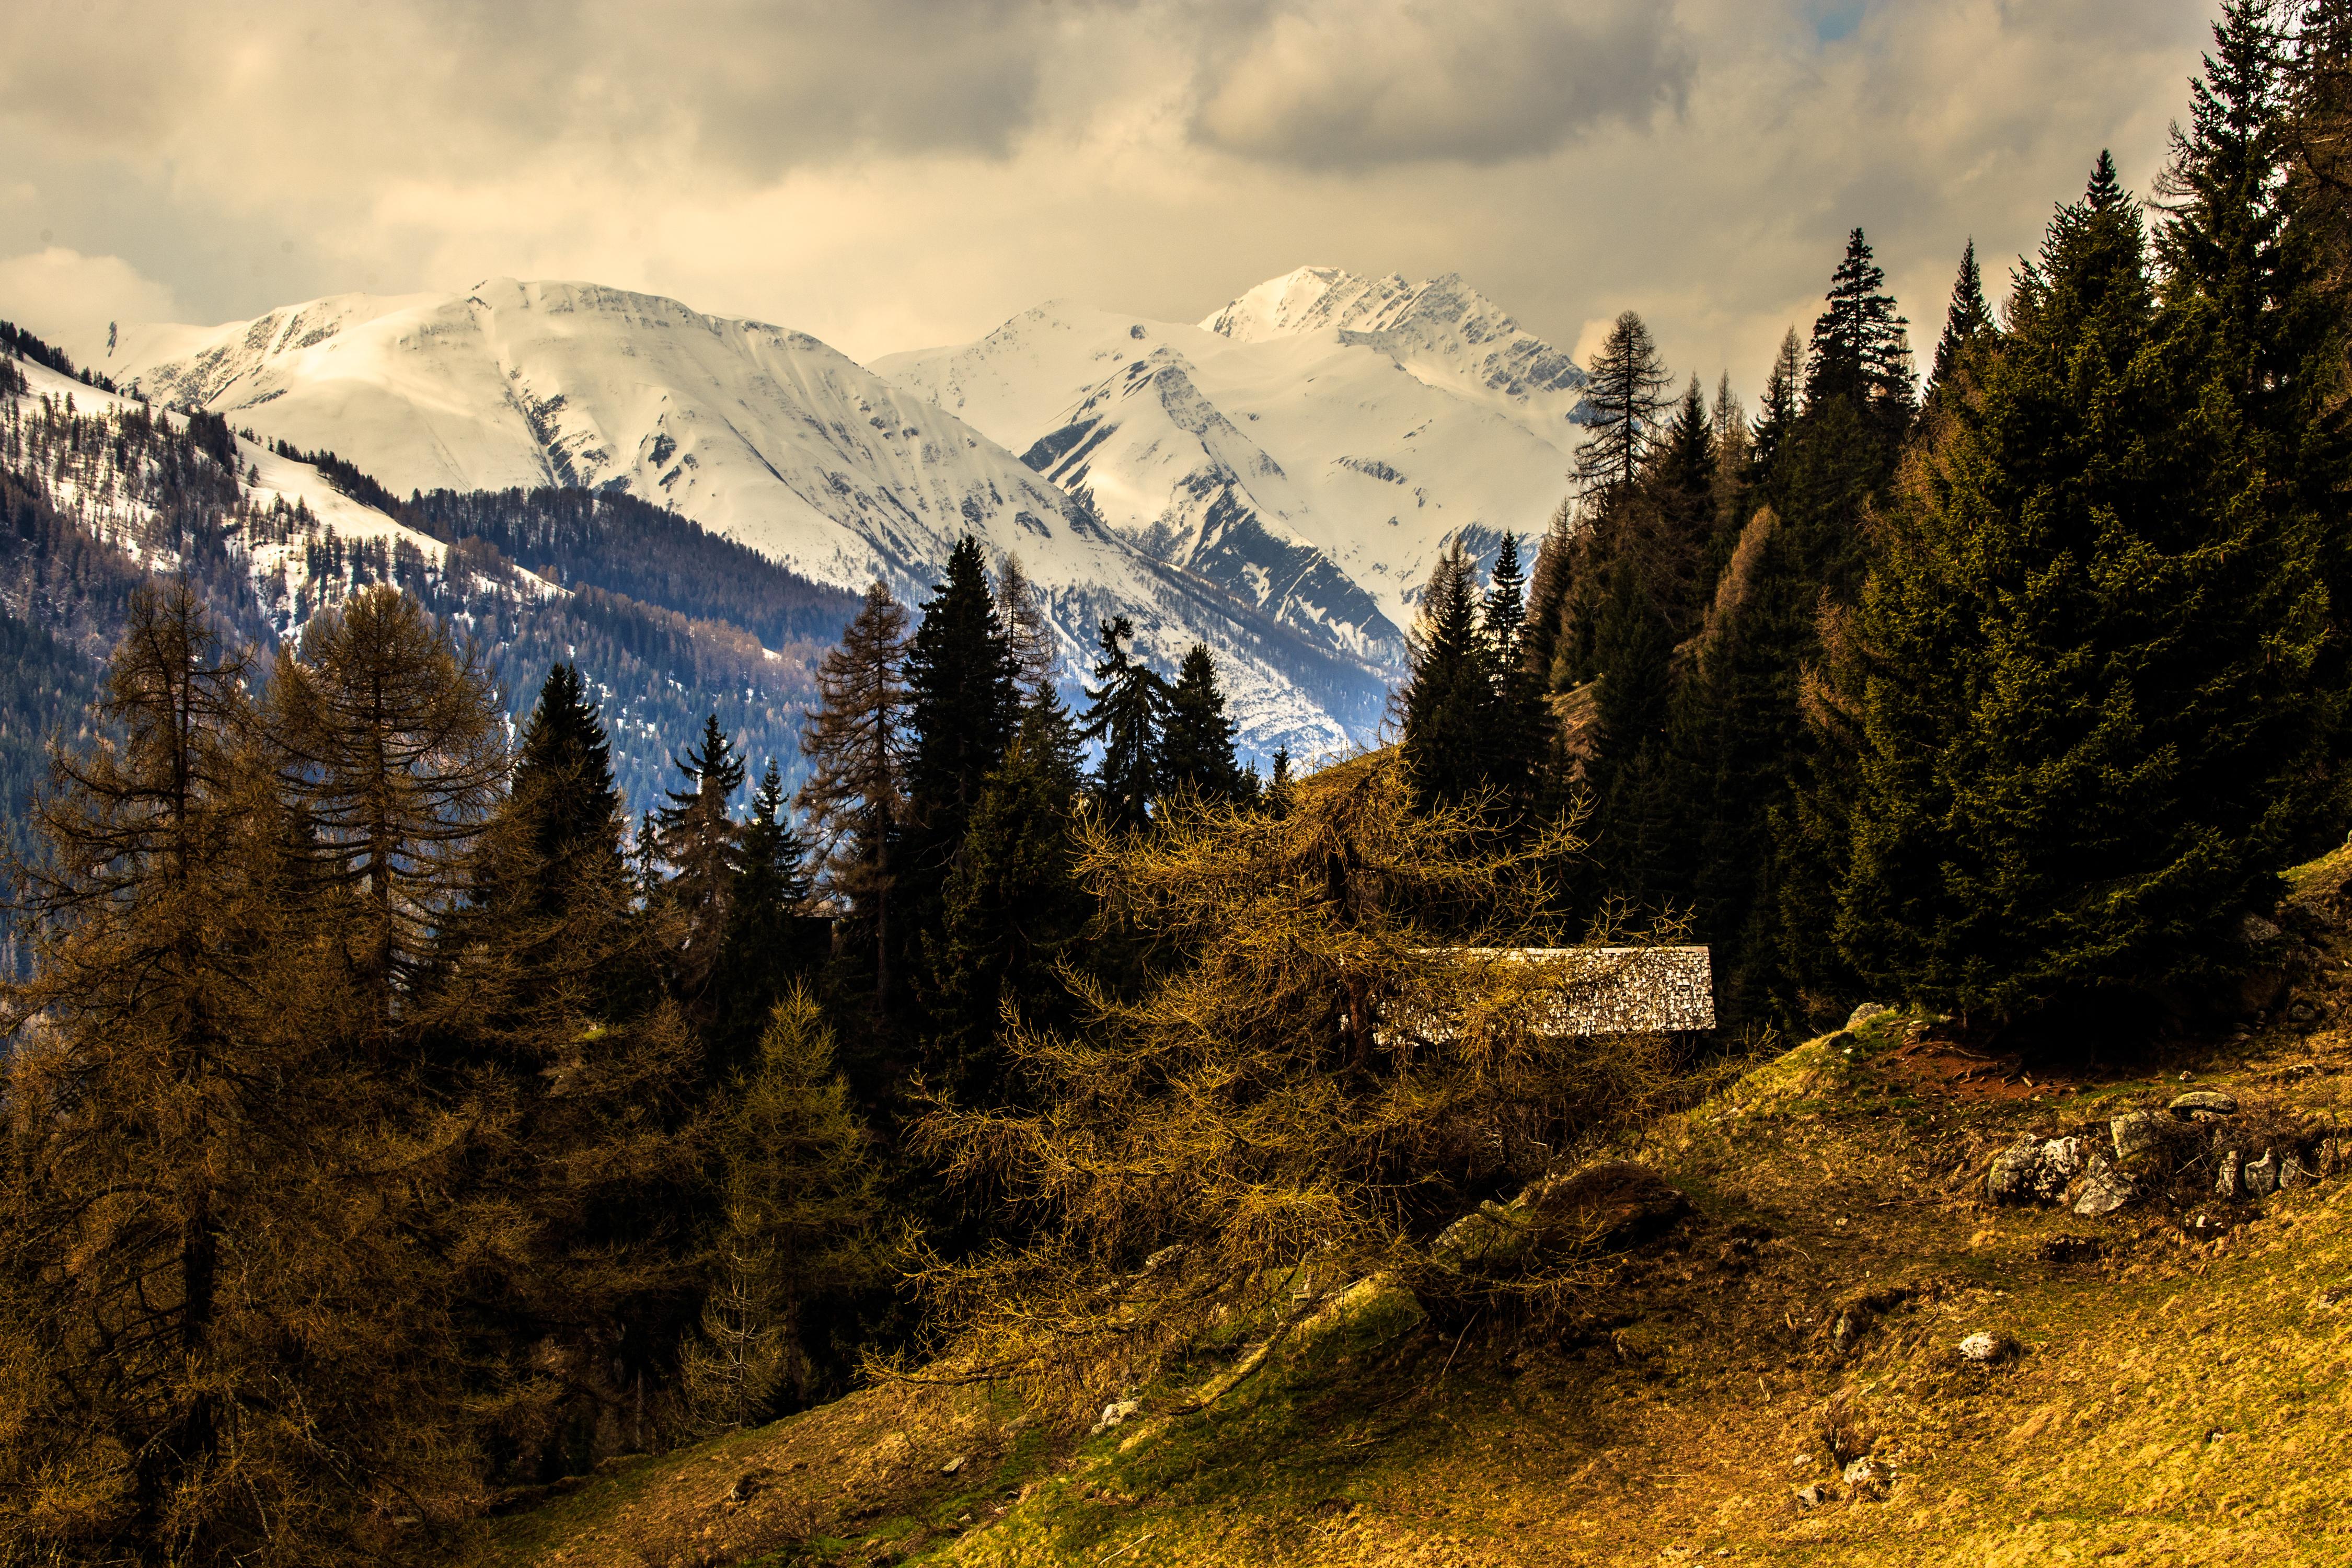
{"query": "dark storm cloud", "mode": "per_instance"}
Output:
(1331, 85)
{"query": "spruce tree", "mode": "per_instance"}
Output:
(1449, 697)
(1021, 610)
(1196, 743)
(1776, 417)
(1625, 768)
(1126, 707)
(1966, 322)
(1624, 390)
(1012, 910)
(1521, 736)
(1859, 352)
(962, 705)
(772, 941)
(1548, 590)
(2081, 677)
(698, 838)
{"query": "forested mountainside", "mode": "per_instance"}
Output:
(666, 622)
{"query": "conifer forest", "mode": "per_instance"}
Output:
(465, 1027)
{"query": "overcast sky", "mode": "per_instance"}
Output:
(897, 174)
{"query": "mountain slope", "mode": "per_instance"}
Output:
(1310, 446)
(761, 434)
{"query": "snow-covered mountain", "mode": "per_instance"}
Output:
(772, 438)
(1311, 446)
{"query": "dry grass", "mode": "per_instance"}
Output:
(2172, 1400)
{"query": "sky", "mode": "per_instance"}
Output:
(900, 173)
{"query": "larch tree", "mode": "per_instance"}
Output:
(856, 744)
(1625, 387)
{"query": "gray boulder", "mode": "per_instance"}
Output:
(2104, 1190)
(2036, 1169)
(2260, 1177)
(2230, 1181)
(2200, 1103)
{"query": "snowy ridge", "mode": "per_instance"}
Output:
(293, 528)
(755, 431)
(1312, 447)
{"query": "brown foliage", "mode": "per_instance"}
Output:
(1314, 1076)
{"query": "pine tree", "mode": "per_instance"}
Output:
(770, 940)
(698, 838)
(1521, 736)
(1623, 388)
(962, 705)
(798, 1237)
(1013, 909)
(563, 796)
(1626, 768)
(1196, 741)
(1449, 698)
(2080, 681)
(856, 743)
(1859, 349)
(1125, 711)
(2246, 239)
(1547, 589)
(1776, 418)
(1504, 611)
(1966, 323)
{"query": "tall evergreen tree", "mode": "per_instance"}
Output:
(1449, 698)
(1196, 743)
(699, 839)
(853, 798)
(1860, 351)
(1966, 322)
(1521, 737)
(1776, 417)
(1013, 909)
(1625, 388)
(2080, 681)
(1548, 590)
(772, 941)
(1626, 767)
(962, 705)
(564, 795)
(1126, 707)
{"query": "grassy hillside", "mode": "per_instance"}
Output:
(2168, 1391)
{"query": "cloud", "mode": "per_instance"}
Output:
(897, 174)
(1351, 83)
(62, 295)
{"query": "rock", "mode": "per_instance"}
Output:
(1605, 1207)
(1117, 1411)
(952, 1466)
(2260, 1177)
(2104, 1190)
(2292, 1175)
(1863, 1015)
(2208, 1100)
(2136, 1132)
(749, 1483)
(2256, 932)
(2302, 1012)
(1866, 1478)
(2010, 1179)
(2228, 1182)
(1847, 1330)
(1982, 1348)
(1813, 1494)
(2036, 1169)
